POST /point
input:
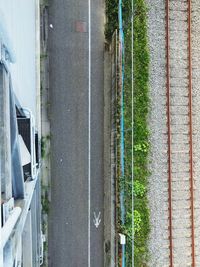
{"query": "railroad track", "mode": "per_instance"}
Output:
(181, 216)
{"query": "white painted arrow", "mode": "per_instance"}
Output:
(97, 219)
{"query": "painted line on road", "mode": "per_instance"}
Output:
(89, 126)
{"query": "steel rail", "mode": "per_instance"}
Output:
(169, 132)
(190, 133)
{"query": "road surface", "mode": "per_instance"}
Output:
(76, 45)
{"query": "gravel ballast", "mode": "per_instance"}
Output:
(157, 121)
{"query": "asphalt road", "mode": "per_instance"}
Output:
(76, 193)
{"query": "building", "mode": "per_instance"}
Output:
(20, 232)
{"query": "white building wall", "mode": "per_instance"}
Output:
(20, 20)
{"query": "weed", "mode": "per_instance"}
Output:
(141, 132)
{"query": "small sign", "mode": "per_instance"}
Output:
(122, 239)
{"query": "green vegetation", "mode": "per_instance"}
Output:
(45, 211)
(44, 3)
(45, 199)
(141, 132)
(44, 144)
(112, 18)
(43, 56)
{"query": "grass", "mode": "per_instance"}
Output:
(44, 144)
(45, 200)
(45, 211)
(44, 3)
(43, 56)
(141, 131)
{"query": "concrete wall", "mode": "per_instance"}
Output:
(20, 20)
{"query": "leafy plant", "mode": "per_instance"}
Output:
(112, 18)
(142, 147)
(139, 189)
(137, 222)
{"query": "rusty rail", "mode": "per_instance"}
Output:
(169, 132)
(190, 132)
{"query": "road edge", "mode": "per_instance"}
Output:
(45, 125)
(109, 167)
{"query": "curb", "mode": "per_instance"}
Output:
(109, 162)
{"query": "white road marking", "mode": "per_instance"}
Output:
(51, 26)
(97, 219)
(89, 125)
